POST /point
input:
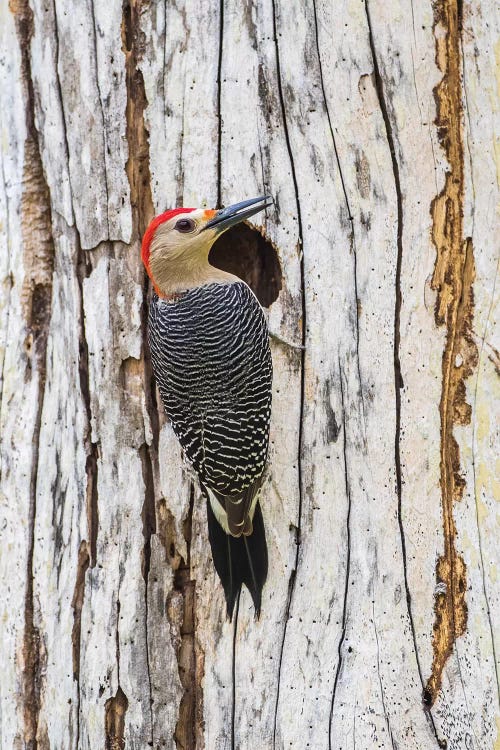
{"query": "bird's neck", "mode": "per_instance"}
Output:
(173, 274)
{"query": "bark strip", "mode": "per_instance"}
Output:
(36, 297)
(453, 280)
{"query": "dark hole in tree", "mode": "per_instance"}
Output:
(244, 252)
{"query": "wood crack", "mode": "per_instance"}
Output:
(398, 380)
(453, 280)
(352, 234)
(382, 697)
(181, 613)
(148, 528)
(8, 281)
(141, 201)
(87, 554)
(348, 563)
(327, 110)
(61, 101)
(116, 707)
(293, 573)
(77, 606)
(92, 450)
(233, 674)
(219, 110)
(83, 271)
(148, 509)
(149, 457)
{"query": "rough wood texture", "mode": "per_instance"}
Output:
(373, 124)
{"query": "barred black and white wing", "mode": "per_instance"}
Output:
(212, 363)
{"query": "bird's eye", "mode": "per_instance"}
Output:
(185, 225)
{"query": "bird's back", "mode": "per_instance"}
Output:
(211, 358)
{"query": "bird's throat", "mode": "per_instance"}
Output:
(172, 275)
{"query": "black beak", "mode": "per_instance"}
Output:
(231, 215)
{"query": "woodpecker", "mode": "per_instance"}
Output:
(209, 345)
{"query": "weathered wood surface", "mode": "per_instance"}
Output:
(373, 125)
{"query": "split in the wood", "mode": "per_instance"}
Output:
(77, 605)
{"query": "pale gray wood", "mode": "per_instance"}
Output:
(329, 107)
(60, 524)
(20, 393)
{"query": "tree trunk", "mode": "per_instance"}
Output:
(372, 123)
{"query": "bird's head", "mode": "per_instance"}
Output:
(176, 244)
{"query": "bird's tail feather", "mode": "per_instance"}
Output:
(239, 560)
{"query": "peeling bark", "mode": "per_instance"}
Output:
(38, 259)
(453, 281)
(297, 522)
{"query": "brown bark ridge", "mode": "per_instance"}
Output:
(182, 618)
(115, 711)
(36, 294)
(181, 599)
(453, 280)
(137, 167)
